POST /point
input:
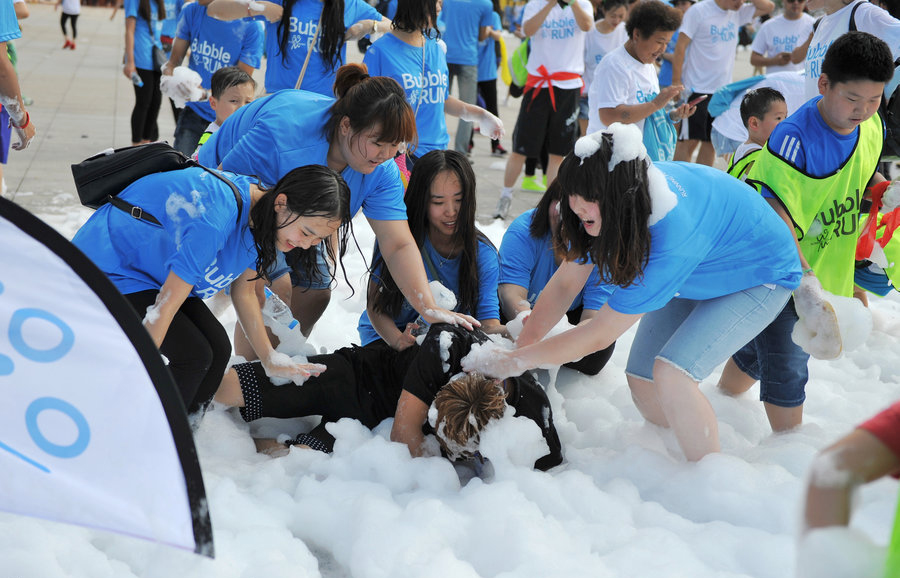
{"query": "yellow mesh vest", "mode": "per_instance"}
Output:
(825, 209)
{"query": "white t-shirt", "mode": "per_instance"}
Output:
(869, 18)
(788, 83)
(782, 35)
(709, 60)
(558, 44)
(597, 45)
(70, 7)
(620, 79)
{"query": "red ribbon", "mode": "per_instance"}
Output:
(536, 83)
(889, 223)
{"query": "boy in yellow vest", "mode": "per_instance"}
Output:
(814, 170)
(761, 111)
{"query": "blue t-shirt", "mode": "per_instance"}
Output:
(319, 77)
(810, 145)
(216, 44)
(529, 262)
(9, 24)
(464, 20)
(488, 306)
(271, 136)
(391, 9)
(173, 13)
(487, 54)
(721, 237)
(665, 68)
(146, 34)
(426, 91)
(198, 238)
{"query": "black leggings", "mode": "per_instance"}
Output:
(197, 346)
(147, 100)
(62, 23)
(488, 91)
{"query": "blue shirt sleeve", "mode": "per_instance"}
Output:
(253, 44)
(187, 22)
(488, 275)
(519, 253)
(9, 25)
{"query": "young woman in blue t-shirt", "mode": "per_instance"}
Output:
(411, 54)
(440, 204)
(196, 238)
(696, 253)
(143, 29)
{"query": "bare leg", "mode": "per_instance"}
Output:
(308, 306)
(684, 150)
(643, 393)
(733, 380)
(553, 163)
(860, 294)
(513, 167)
(687, 411)
(707, 154)
(783, 418)
(229, 391)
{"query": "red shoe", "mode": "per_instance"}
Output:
(72, 45)
(67, 44)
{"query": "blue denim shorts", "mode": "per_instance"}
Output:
(696, 336)
(299, 278)
(779, 364)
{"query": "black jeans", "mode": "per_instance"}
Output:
(488, 91)
(147, 100)
(197, 346)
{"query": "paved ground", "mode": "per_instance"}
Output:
(82, 104)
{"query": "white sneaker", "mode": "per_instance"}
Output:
(502, 207)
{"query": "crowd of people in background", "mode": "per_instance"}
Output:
(626, 104)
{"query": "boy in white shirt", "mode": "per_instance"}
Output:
(704, 61)
(778, 37)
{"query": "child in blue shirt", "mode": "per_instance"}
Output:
(529, 257)
(440, 202)
(213, 44)
(201, 232)
(358, 135)
(695, 252)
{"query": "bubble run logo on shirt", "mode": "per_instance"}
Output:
(210, 56)
(725, 33)
(558, 29)
(432, 89)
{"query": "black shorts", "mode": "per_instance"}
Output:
(699, 124)
(538, 121)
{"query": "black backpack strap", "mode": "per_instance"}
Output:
(133, 210)
(139, 213)
(853, 17)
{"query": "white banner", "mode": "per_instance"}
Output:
(92, 431)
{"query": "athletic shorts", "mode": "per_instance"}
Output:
(538, 121)
(699, 124)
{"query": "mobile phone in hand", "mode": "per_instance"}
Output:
(562, 4)
(697, 100)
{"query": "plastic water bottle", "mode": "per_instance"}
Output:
(278, 310)
(136, 79)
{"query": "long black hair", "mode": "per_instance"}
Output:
(622, 248)
(311, 191)
(144, 9)
(416, 16)
(387, 296)
(331, 37)
(540, 220)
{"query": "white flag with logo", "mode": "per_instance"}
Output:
(92, 430)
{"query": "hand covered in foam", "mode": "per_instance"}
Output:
(817, 331)
(182, 86)
(488, 124)
(493, 360)
(281, 369)
(891, 198)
